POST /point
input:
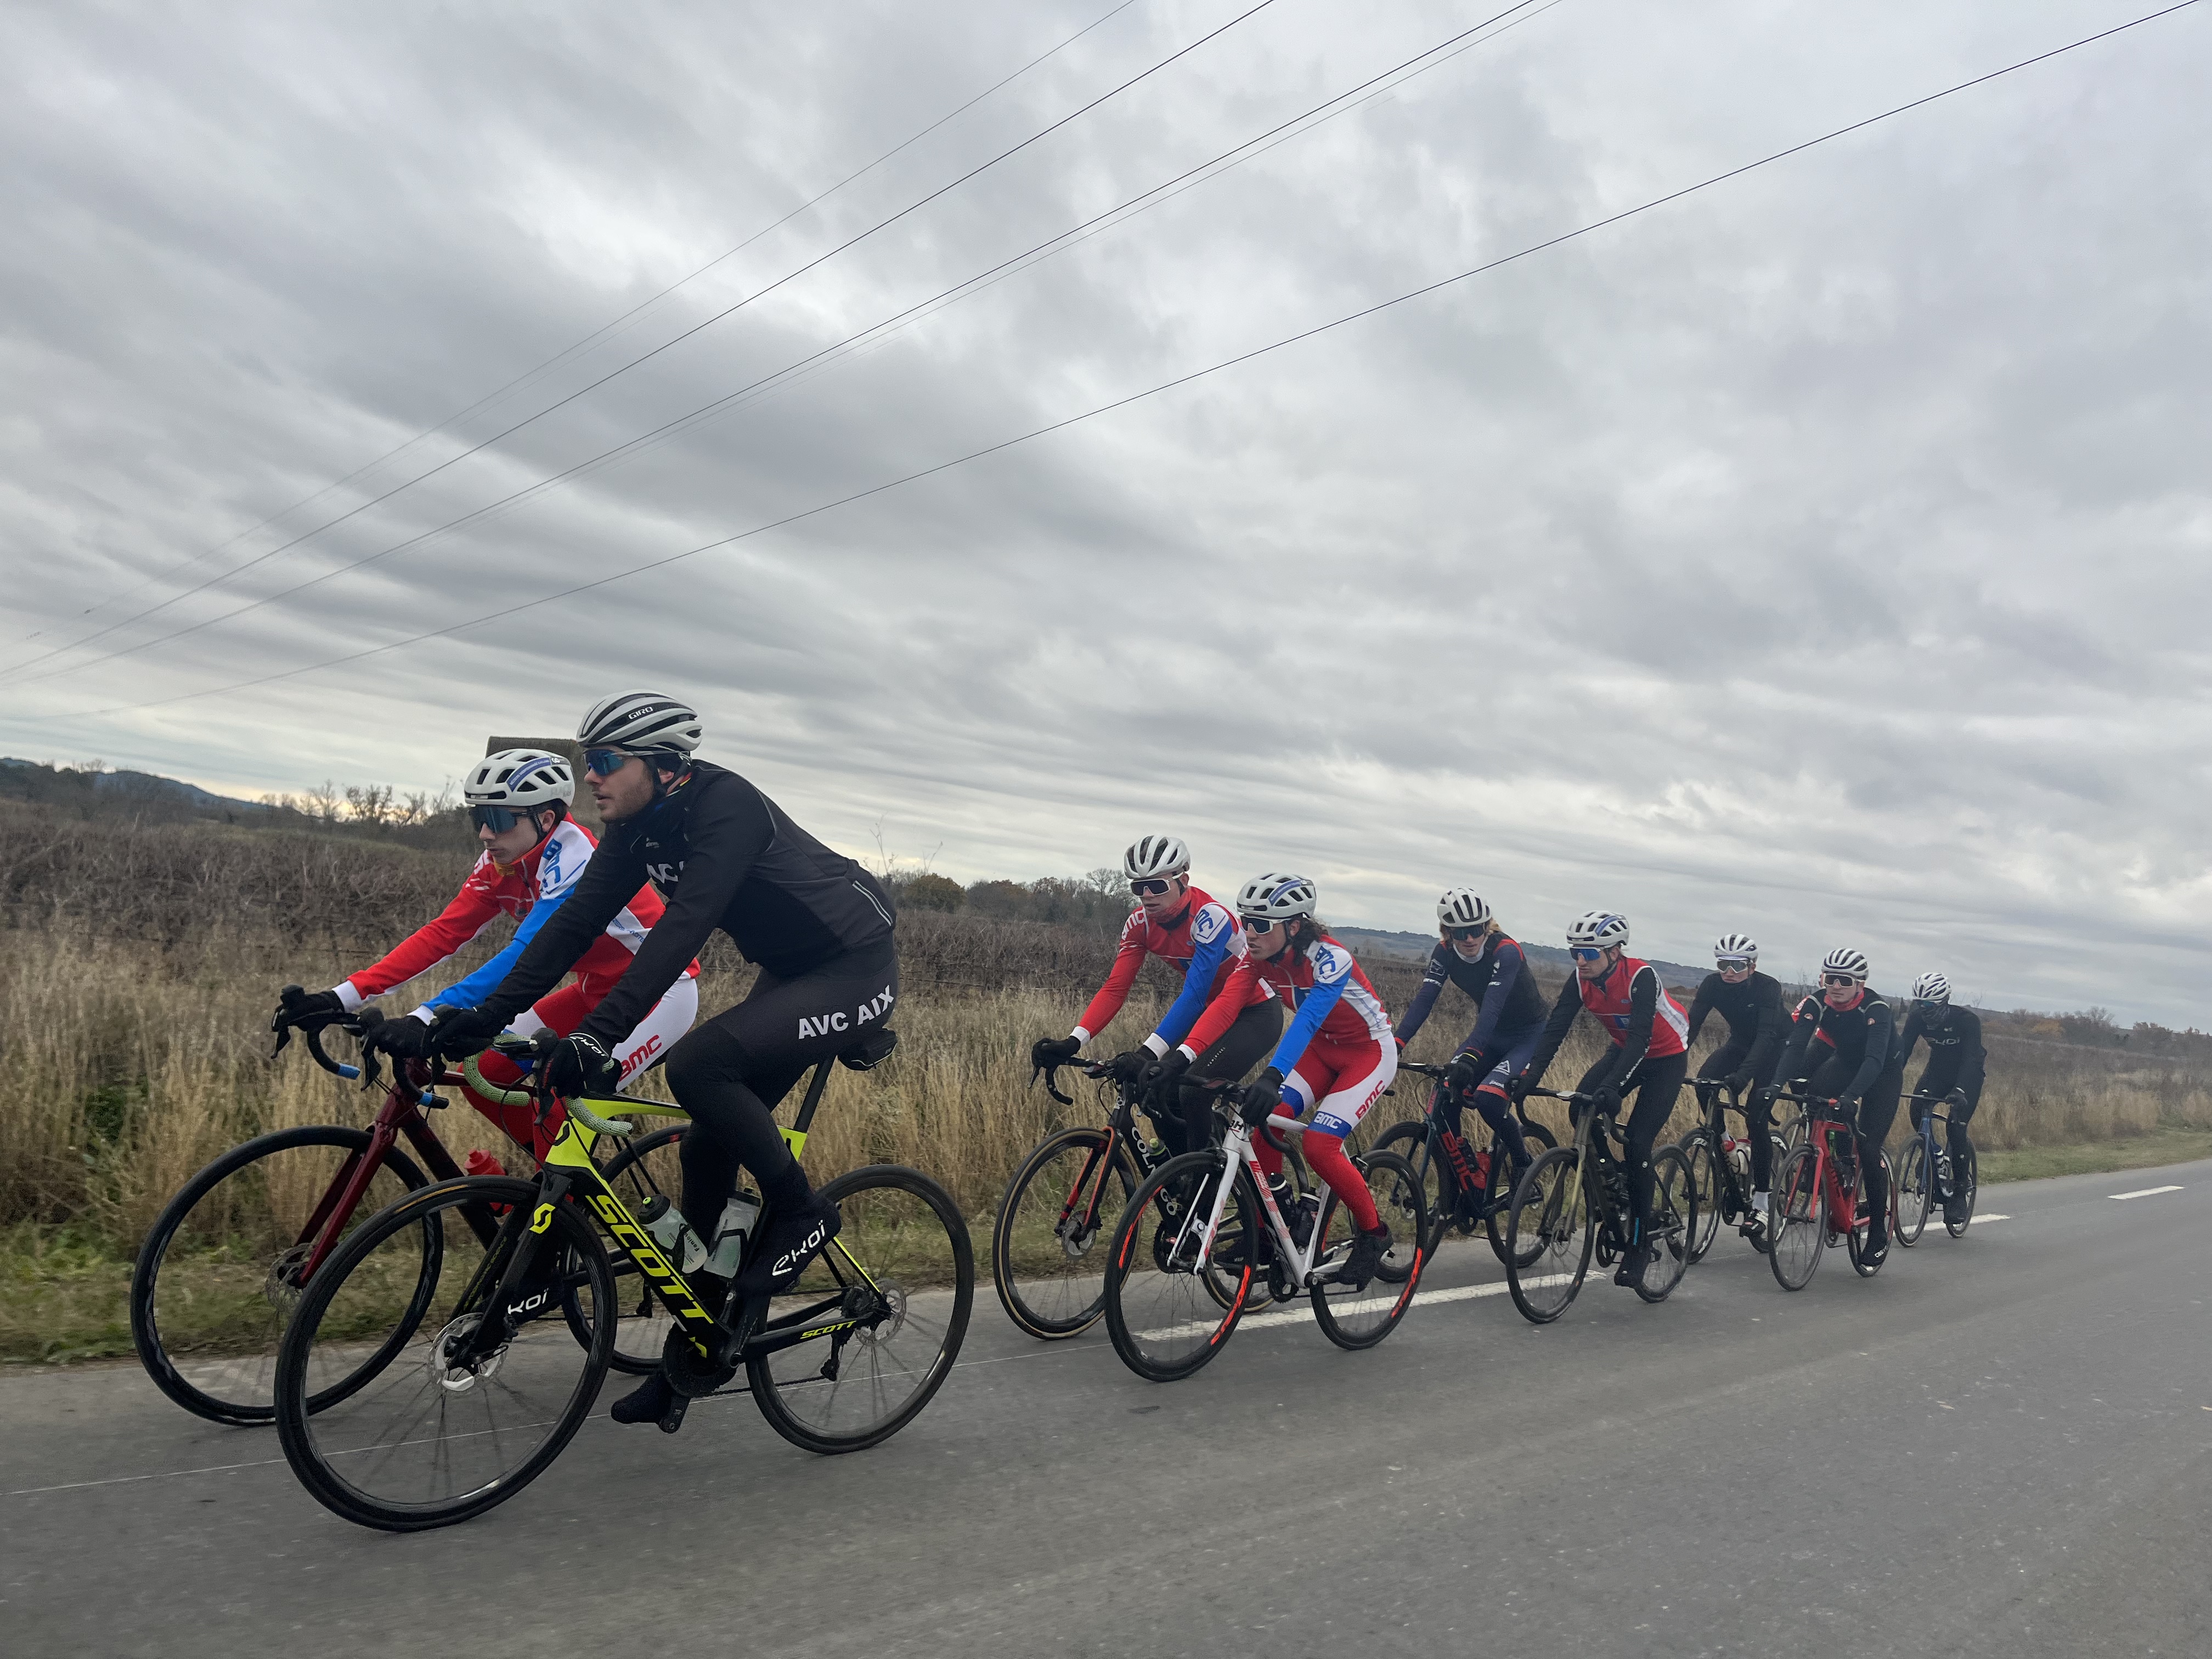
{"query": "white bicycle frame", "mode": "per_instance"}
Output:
(1237, 1144)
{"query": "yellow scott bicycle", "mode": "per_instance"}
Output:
(456, 1341)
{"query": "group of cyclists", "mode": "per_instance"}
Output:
(1268, 999)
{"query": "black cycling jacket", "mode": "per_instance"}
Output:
(1859, 1035)
(1955, 1054)
(1497, 981)
(723, 855)
(1753, 1009)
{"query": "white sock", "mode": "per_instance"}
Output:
(1759, 1203)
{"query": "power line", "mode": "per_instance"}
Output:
(792, 373)
(1243, 357)
(529, 377)
(584, 390)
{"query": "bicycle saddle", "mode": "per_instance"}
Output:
(871, 1051)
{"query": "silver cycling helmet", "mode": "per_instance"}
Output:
(641, 722)
(522, 778)
(1932, 987)
(1151, 857)
(1598, 927)
(1277, 897)
(1844, 960)
(1742, 945)
(1459, 908)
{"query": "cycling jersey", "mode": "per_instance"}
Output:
(1753, 1009)
(1498, 982)
(1956, 1058)
(1636, 1012)
(722, 855)
(1853, 1044)
(1326, 990)
(1204, 939)
(531, 889)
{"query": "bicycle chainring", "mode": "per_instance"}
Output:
(690, 1372)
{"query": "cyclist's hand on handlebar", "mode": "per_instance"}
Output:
(296, 1006)
(1737, 1083)
(1166, 1072)
(1956, 1097)
(1464, 1071)
(1130, 1064)
(404, 1038)
(1770, 1093)
(577, 1065)
(459, 1032)
(1517, 1090)
(1606, 1100)
(1263, 1095)
(1048, 1051)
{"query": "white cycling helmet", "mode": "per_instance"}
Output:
(1277, 897)
(640, 722)
(522, 778)
(1932, 987)
(1736, 945)
(1844, 960)
(1151, 857)
(1459, 908)
(1598, 927)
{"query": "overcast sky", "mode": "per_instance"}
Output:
(1827, 555)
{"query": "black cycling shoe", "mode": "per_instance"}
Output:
(1876, 1250)
(1368, 1251)
(792, 1238)
(1633, 1264)
(648, 1402)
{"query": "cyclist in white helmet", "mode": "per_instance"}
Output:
(1843, 1049)
(1750, 1003)
(534, 854)
(1954, 1070)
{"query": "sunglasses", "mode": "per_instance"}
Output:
(497, 819)
(1466, 933)
(1586, 952)
(605, 762)
(1142, 888)
(1837, 980)
(1259, 923)
(1731, 964)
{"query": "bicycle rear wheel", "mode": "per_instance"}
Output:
(1048, 1244)
(1361, 1317)
(645, 1168)
(219, 1273)
(1439, 1196)
(1910, 1196)
(451, 1425)
(1674, 1222)
(902, 1266)
(1797, 1220)
(1500, 1214)
(1703, 1164)
(1164, 1319)
(1549, 1236)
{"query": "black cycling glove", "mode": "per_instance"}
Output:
(1164, 1074)
(1517, 1091)
(1261, 1096)
(404, 1038)
(577, 1065)
(296, 1006)
(459, 1032)
(1606, 1100)
(1048, 1051)
(1465, 1071)
(1130, 1064)
(1738, 1082)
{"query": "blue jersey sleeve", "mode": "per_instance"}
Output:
(468, 992)
(1506, 967)
(1332, 971)
(1211, 929)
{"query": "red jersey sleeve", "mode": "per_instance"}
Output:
(471, 911)
(1123, 974)
(1243, 988)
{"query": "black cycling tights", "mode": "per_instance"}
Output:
(1758, 1116)
(729, 1073)
(1655, 1083)
(1248, 1041)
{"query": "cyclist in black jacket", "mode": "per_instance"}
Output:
(1475, 954)
(1842, 1048)
(816, 925)
(1954, 1068)
(1750, 1003)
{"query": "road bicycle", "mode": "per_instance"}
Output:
(473, 1383)
(1573, 1202)
(1203, 1229)
(1925, 1172)
(1720, 1167)
(1820, 1196)
(1048, 1244)
(222, 1268)
(1464, 1187)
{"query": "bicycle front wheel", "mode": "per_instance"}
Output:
(1048, 1245)
(1674, 1224)
(475, 1399)
(221, 1271)
(1797, 1220)
(1498, 1218)
(900, 1268)
(1361, 1316)
(1910, 1195)
(1161, 1312)
(1702, 1164)
(1549, 1236)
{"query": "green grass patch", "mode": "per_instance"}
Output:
(2160, 1146)
(61, 1297)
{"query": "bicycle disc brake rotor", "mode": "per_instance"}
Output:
(891, 1296)
(452, 1374)
(281, 1290)
(1076, 1239)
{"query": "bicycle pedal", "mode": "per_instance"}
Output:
(672, 1418)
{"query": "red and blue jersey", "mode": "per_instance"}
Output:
(1326, 990)
(1204, 939)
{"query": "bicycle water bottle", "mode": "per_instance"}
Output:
(670, 1230)
(1739, 1156)
(1455, 1155)
(730, 1233)
(1482, 1168)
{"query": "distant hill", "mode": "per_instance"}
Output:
(1417, 946)
(126, 786)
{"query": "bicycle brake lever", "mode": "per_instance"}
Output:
(1051, 1076)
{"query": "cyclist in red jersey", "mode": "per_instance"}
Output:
(1650, 1056)
(1335, 1058)
(534, 855)
(1203, 940)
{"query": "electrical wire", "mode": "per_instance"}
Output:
(794, 373)
(705, 323)
(1151, 391)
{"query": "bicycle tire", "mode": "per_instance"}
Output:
(318, 1446)
(1410, 1140)
(642, 1322)
(1171, 1352)
(1057, 1322)
(1674, 1224)
(1498, 1216)
(1703, 1162)
(245, 1396)
(1797, 1220)
(1550, 1199)
(1360, 1319)
(1958, 1229)
(881, 1242)
(1910, 1194)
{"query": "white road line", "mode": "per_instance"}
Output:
(1302, 1314)
(2148, 1192)
(125, 1479)
(1976, 1219)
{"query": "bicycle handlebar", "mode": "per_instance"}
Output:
(523, 1049)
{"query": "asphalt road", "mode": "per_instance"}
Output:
(2000, 1446)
